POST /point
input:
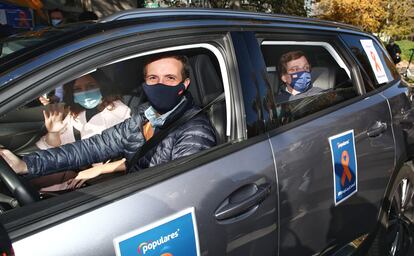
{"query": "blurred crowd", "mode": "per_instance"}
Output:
(56, 17)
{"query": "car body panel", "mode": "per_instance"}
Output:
(297, 217)
(304, 166)
(204, 188)
(397, 95)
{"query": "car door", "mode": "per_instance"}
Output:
(306, 173)
(317, 214)
(218, 202)
(21, 128)
(396, 92)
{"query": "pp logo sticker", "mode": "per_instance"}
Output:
(172, 236)
(345, 168)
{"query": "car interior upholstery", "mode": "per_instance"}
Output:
(206, 85)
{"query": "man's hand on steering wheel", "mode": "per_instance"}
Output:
(17, 164)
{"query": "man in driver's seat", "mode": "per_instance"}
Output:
(166, 83)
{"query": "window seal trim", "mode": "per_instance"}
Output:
(325, 45)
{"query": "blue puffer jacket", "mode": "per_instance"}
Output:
(123, 140)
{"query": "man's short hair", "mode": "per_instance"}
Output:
(56, 10)
(289, 56)
(185, 72)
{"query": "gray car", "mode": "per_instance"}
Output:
(328, 173)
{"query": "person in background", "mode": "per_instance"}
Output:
(56, 17)
(394, 50)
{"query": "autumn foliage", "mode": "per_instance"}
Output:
(366, 14)
(390, 17)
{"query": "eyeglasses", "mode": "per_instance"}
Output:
(295, 69)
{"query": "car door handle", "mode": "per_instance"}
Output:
(242, 200)
(377, 129)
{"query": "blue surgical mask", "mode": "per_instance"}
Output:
(301, 81)
(56, 22)
(162, 97)
(88, 99)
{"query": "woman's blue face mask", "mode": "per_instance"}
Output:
(88, 99)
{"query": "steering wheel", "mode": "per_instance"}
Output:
(20, 189)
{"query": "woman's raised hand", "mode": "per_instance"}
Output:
(54, 117)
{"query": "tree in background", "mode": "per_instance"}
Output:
(385, 17)
(290, 7)
(399, 19)
(365, 14)
(140, 3)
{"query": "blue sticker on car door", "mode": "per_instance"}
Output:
(344, 163)
(171, 236)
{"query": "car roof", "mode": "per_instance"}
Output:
(157, 14)
(157, 19)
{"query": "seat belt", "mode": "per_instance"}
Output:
(159, 136)
(76, 134)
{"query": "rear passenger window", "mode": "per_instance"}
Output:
(306, 77)
(356, 44)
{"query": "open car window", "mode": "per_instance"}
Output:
(330, 79)
(23, 130)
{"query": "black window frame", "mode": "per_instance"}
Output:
(369, 75)
(332, 39)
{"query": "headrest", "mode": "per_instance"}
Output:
(323, 77)
(273, 78)
(126, 75)
(205, 83)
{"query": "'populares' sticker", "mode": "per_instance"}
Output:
(345, 168)
(172, 236)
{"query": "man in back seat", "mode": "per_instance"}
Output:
(296, 75)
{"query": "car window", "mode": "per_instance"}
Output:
(24, 130)
(290, 64)
(380, 71)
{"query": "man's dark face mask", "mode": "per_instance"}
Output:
(162, 97)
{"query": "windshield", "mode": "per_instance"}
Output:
(15, 45)
(19, 42)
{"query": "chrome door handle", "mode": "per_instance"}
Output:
(378, 128)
